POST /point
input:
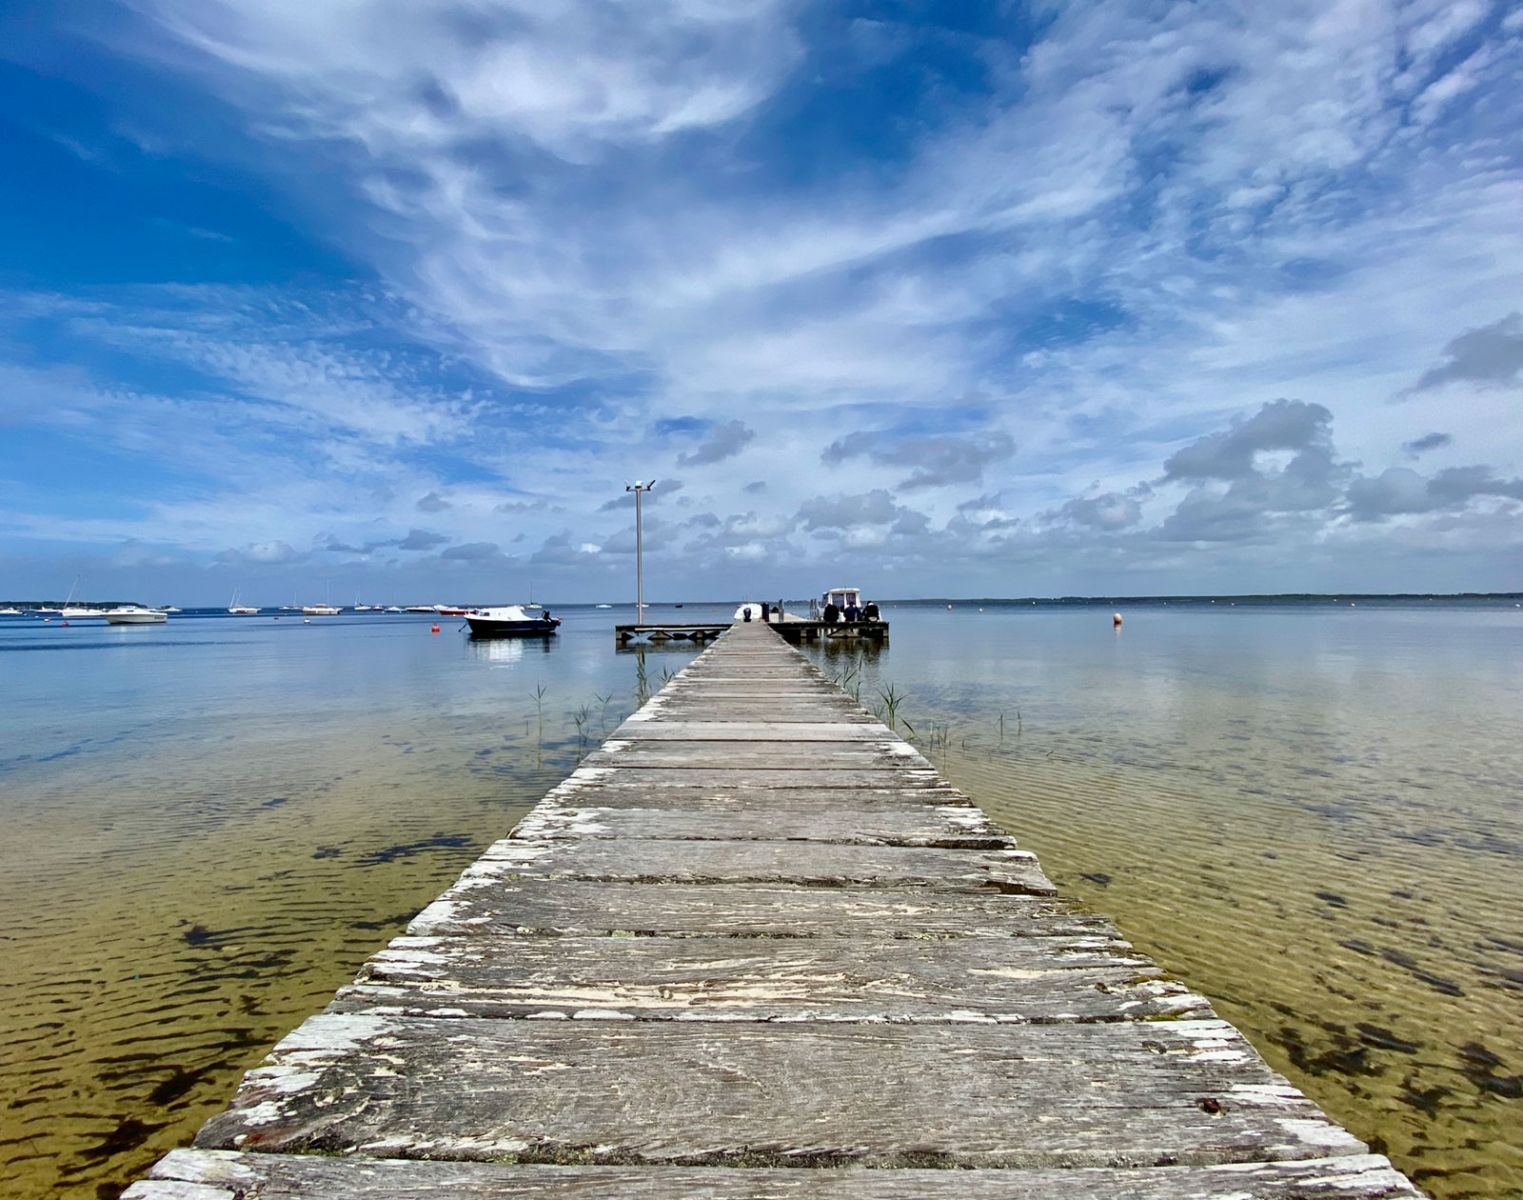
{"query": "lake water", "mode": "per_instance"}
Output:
(1308, 811)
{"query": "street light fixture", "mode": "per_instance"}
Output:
(639, 489)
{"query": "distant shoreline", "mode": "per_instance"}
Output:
(1038, 601)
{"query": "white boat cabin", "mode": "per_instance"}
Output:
(842, 597)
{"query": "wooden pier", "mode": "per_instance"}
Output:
(789, 627)
(755, 947)
(669, 632)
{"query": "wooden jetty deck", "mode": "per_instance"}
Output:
(755, 947)
(791, 628)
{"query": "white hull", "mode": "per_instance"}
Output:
(320, 610)
(134, 616)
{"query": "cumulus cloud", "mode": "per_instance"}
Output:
(938, 460)
(1428, 441)
(854, 516)
(1491, 356)
(1230, 455)
(473, 552)
(261, 554)
(561, 549)
(725, 441)
(1109, 510)
(1278, 461)
(835, 512)
(433, 502)
(1400, 490)
(421, 539)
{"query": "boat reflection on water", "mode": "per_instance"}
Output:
(505, 651)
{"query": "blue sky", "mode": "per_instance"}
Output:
(390, 301)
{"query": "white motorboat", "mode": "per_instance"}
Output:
(134, 614)
(77, 613)
(320, 610)
(168, 608)
(10, 612)
(509, 620)
(750, 611)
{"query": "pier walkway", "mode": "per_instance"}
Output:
(755, 947)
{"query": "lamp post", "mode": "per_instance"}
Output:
(639, 489)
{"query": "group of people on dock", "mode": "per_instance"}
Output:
(851, 614)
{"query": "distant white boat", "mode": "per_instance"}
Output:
(605, 605)
(320, 610)
(10, 612)
(168, 608)
(240, 610)
(392, 608)
(135, 614)
(77, 613)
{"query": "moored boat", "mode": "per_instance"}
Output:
(319, 610)
(134, 614)
(509, 620)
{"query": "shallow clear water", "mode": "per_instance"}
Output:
(1309, 812)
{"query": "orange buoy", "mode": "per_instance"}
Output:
(433, 629)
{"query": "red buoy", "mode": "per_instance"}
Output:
(433, 629)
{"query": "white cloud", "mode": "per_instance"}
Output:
(1148, 223)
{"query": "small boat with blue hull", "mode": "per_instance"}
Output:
(511, 620)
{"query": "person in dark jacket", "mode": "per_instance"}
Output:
(870, 611)
(852, 612)
(832, 614)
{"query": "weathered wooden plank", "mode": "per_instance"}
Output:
(1087, 1095)
(769, 979)
(534, 907)
(754, 687)
(754, 776)
(952, 827)
(741, 710)
(813, 864)
(793, 732)
(230, 1175)
(881, 755)
(634, 791)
